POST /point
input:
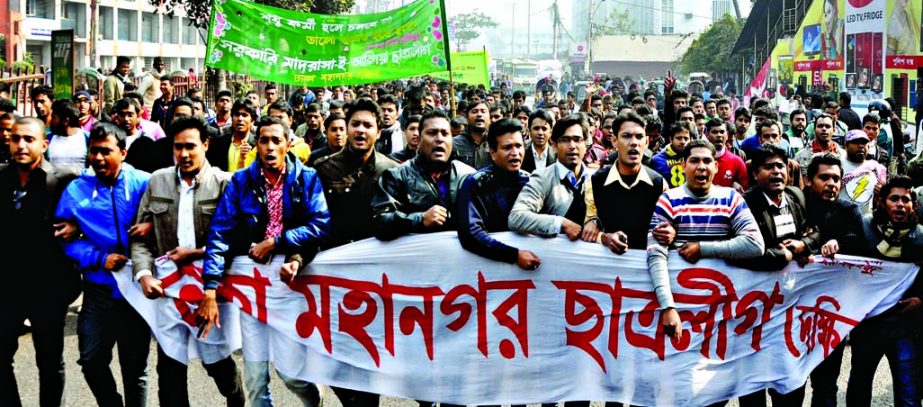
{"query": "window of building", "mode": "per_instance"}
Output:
(128, 25)
(189, 32)
(75, 17)
(106, 23)
(40, 8)
(187, 63)
(666, 17)
(170, 29)
(150, 27)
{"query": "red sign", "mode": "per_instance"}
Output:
(904, 61)
(819, 65)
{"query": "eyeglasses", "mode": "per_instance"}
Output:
(17, 199)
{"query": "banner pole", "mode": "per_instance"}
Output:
(452, 95)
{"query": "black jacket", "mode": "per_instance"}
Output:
(38, 269)
(851, 118)
(407, 191)
(528, 162)
(217, 154)
(349, 185)
(484, 204)
(773, 258)
(840, 220)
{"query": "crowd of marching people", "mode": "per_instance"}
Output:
(97, 180)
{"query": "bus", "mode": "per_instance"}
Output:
(523, 75)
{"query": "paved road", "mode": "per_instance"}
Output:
(203, 392)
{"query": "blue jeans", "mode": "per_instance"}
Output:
(256, 367)
(890, 335)
(102, 323)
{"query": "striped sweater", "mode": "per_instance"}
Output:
(720, 221)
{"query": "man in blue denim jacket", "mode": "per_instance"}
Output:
(103, 206)
(276, 206)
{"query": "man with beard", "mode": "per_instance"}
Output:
(822, 142)
(392, 139)
(84, 103)
(312, 128)
(487, 197)
(102, 204)
(862, 177)
(620, 198)
(732, 172)
(411, 140)
(892, 233)
(335, 130)
(470, 147)
(552, 202)
(538, 153)
(42, 296)
(710, 222)
(42, 97)
(840, 224)
(229, 151)
(795, 134)
(419, 197)
(223, 103)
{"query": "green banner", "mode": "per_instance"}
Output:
(317, 49)
(468, 67)
(62, 63)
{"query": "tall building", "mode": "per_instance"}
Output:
(651, 17)
(131, 28)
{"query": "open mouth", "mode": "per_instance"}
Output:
(701, 178)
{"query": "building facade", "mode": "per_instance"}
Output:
(132, 28)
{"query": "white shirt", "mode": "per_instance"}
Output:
(540, 159)
(69, 151)
(185, 218)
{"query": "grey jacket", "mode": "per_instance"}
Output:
(160, 205)
(543, 202)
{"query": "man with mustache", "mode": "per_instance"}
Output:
(840, 224)
(862, 177)
(487, 197)
(470, 147)
(710, 222)
(275, 206)
(769, 131)
(420, 196)
(180, 201)
(392, 137)
(335, 130)
(822, 143)
(552, 202)
(795, 135)
(892, 233)
(732, 172)
(620, 198)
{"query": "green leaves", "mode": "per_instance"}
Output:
(198, 11)
(711, 52)
(468, 26)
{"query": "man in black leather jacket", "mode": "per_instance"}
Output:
(418, 197)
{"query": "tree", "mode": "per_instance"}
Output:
(468, 26)
(199, 12)
(617, 23)
(711, 52)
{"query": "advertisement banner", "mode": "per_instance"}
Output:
(318, 50)
(420, 317)
(62, 63)
(468, 67)
(865, 53)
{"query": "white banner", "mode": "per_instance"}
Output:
(172, 319)
(422, 318)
